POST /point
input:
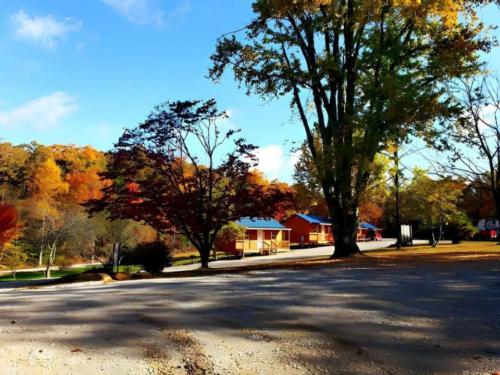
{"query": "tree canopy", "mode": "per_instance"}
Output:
(359, 73)
(180, 170)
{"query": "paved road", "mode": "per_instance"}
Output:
(287, 256)
(439, 319)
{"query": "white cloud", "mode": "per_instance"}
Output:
(148, 11)
(489, 114)
(46, 31)
(40, 114)
(274, 162)
(226, 122)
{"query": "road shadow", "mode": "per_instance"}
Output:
(427, 318)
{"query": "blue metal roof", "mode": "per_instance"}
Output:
(313, 219)
(367, 226)
(260, 223)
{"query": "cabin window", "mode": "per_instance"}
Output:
(247, 236)
(273, 235)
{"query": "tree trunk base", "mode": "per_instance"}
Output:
(348, 250)
(358, 254)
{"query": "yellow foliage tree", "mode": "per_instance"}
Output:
(47, 180)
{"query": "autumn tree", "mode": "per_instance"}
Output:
(286, 205)
(13, 174)
(180, 169)
(42, 209)
(11, 255)
(47, 185)
(9, 224)
(360, 73)
(478, 203)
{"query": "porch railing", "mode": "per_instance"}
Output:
(263, 246)
(318, 237)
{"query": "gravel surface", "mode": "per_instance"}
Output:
(420, 319)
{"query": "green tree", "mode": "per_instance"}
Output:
(12, 256)
(368, 71)
(227, 236)
(435, 204)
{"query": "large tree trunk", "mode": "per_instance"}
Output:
(50, 260)
(345, 226)
(205, 256)
(47, 269)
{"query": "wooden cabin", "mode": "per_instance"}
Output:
(263, 235)
(310, 229)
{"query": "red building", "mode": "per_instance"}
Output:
(317, 230)
(309, 229)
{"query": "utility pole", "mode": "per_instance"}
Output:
(398, 203)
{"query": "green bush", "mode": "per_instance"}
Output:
(153, 257)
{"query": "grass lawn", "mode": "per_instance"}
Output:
(469, 248)
(36, 275)
(178, 260)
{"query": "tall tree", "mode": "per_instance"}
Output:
(180, 169)
(42, 207)
(477, 129)
(372, 70)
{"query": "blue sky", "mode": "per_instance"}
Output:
(80, 71)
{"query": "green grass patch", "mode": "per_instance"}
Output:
(37, 275)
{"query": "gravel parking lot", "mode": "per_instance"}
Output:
(344, 319)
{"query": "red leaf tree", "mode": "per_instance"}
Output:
(8, 223)
(180, 169)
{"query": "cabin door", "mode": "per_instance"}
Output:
(260, 240)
